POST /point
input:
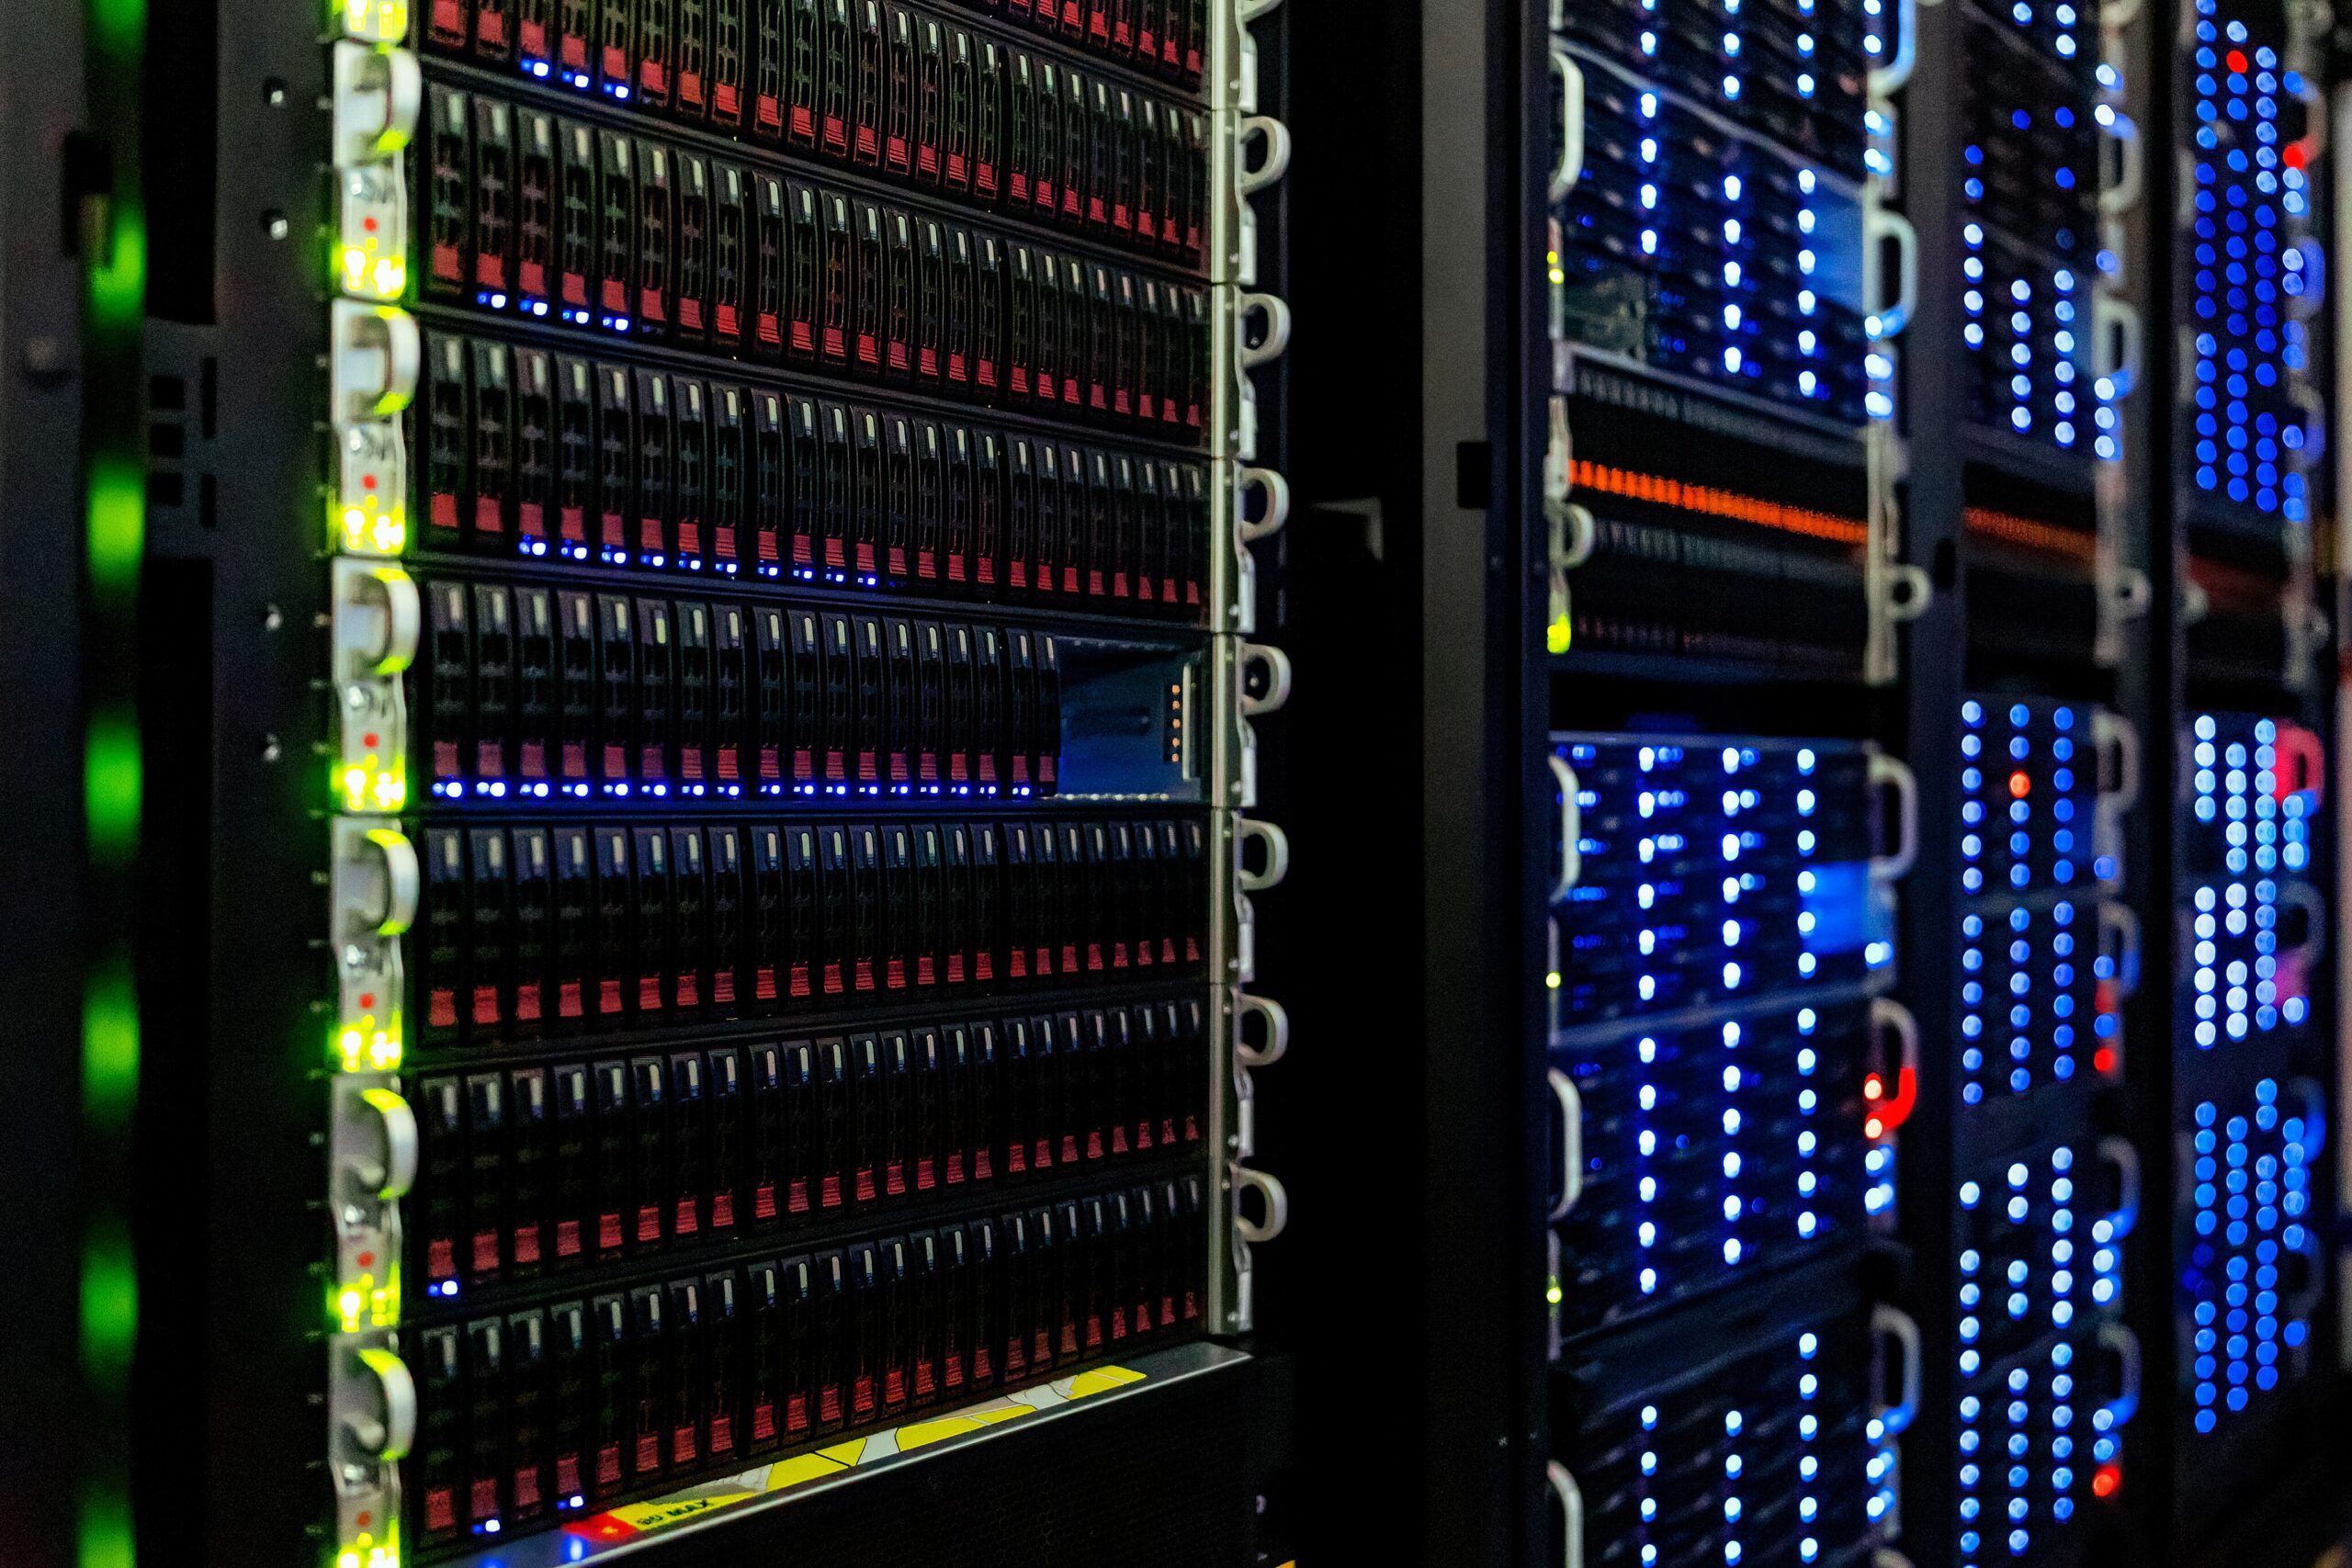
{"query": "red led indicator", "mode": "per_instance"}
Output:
(2020, 784)
(2107, 1480)
(2237, 58)
(2104, 1060)
(1886, 1117)
(2294, 154)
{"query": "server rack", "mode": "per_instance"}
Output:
(2033, 288)
(691, 574)
(1966, 553)
(1454, 531)
(1737, 830)
(2250, 646)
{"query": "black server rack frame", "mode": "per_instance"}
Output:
(71, 586)
(1412, 403)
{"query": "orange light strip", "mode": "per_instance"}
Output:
(1713, 503)
(2011, 529)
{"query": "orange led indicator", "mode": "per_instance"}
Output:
(2020, 786)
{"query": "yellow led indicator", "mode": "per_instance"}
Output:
(367, 1304)
(372, 531)
(1555, 635)
(366, 1552)
(369, 786)
(368, 275)
(1551, 981)
(360, 1046)
(1553, 1294)
(384, 1303)
(379, 21)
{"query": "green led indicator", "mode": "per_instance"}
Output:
(109, 1304)
(109, 1046)
(105, 1539)
(118, 24)
(112, 238)
(118, 503)
(118, 278)
(111, 787)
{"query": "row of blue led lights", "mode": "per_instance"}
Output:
(2023, 1466)
(2258, 836)
(2263, 828)
(579, 550)
(1718, 1086)
(1816, 1484)
(660, 789)
(616, 555)
(1803, 79)
(2243, 988)
(1733, 1161)
(2063, 27)
(1691, 799)
(2028, 993)
(1803, 271)
(2250, 1210)
(2252, 202)
(2035, 360)
(2007, 1489)
(1694, 861)
(2001, 774)
(2013, 1293)
(2056, 979)
(1786, 71)
(2062, 178)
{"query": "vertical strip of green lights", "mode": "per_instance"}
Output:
(114, 241)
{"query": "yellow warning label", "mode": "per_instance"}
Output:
(632, 1519)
